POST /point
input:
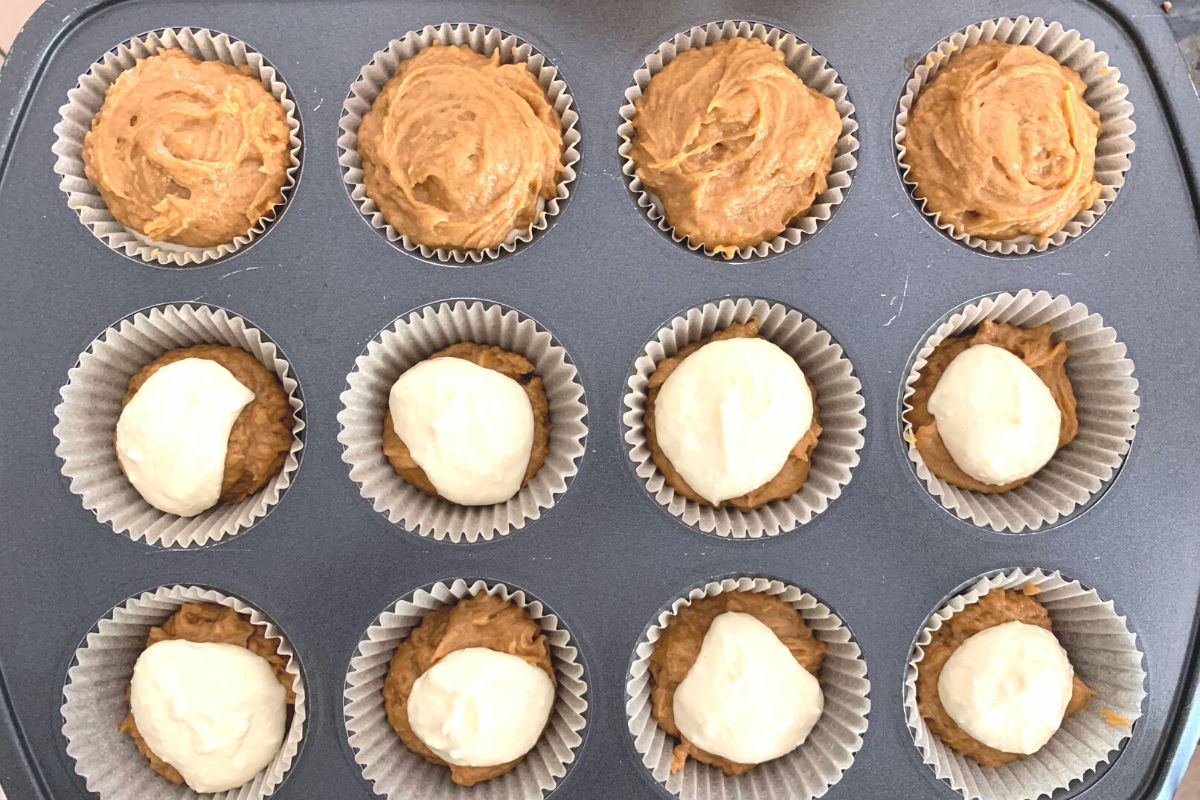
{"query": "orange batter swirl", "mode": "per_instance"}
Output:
(1001, 143)
(457, 148)
(733, 143)
(188, 151)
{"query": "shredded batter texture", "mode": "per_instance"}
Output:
(458, 148)
(1001, 143)
(188, 151)
(733, 143)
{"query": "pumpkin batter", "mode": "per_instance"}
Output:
(187, 151)
(481, 621)
(1001, 143)
(1034, 346)
(209, 623)
(512, 365)
(786, 482)
(994, 608)
(679, 646)
(733, 143)
(261, 436)
(458, 148)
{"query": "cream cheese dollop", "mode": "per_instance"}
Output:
(173, 434)
(729, 415)
(468, 427)
(746, 698)
(479, 707)
(1008, 686)
(215, 712)
(995, 415)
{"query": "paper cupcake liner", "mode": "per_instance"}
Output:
(85, 100)
(396, 772)
(1105, 390)
(1104, 653)
(483, 40)
(1105, 93)
(838, 396)
(95, 701)
(91, 405)
(809, 770)
(413, 338)
(811, 67)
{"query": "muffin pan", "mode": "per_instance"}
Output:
(323, 564)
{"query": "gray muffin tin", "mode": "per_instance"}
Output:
(321, 283)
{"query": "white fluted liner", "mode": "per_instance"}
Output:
(1105, 93)
(396, 772)
(809, 770)
(95, 701)
(838, 396)
(485, 41)
(85, 100)
(1104, 653)
(91, 405)
(810, 66)
(417, 336)
(1107, 402)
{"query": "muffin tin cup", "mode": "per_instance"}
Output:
(817, 74)
(1105, 93)
(1104, 653)
(413, 338)
(803, 774)
(1107, 402)
(838, 396)
(95, 701)
(397, 773)
(483, 40)
(91, 405)
(85, 100)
